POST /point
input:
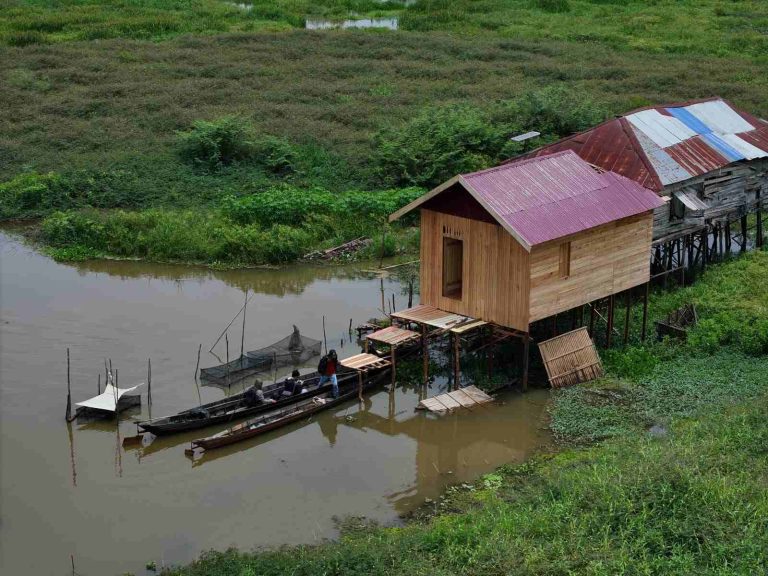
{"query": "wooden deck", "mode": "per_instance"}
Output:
(364, 362)
(394, 336)
(571, 358)
(431, 316)
(470, 398)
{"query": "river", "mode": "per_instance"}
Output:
(74, 491)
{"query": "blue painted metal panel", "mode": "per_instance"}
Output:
(723, 147)
(690, 120)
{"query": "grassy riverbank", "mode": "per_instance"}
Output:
(676, 485)
(101, 97)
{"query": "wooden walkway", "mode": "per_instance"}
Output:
(364, 362)
(431, 316)
(571, 358)
(470, 398)
(394, 336)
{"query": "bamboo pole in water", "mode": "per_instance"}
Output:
(226, 340)
(98, 384)
(197, 366)
(242, 337)
(149, 381)
(69, 392)
(325, 340)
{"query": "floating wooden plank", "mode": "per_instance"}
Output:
(571, 358)
(364, 362)
(470, 398)
(394, 336)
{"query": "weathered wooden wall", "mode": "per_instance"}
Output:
(495, 270)
(604, 261)
(723, 194)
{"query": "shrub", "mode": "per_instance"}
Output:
(436, 145)
(214, 144)
(69, 228)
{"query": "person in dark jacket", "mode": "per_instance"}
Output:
(327, 368)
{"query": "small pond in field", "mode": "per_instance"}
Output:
(388, 23)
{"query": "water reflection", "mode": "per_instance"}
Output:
(388, 23)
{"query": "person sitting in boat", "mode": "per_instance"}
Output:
(254, 397)
(293, 386)
(327, 369)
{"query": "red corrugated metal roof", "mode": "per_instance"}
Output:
(549, 197)
(615, 144)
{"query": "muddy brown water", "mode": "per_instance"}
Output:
(74, 490)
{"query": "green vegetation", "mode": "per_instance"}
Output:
(676, 487)
(664, 26)
(181, 105)
(275, 226)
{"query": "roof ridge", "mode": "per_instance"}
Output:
(519, 162)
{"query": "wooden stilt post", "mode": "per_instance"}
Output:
(360, 385)
(592, 319)
(645, 310)
(728, 237)
(394, 366)
(197, 368)
(69, 392)
(526, 350)
(720, 239)
(628, 306)
(456, 365)
(554, 325)
(394, 309)
(759, 222)
(98, 384)
(573, 318)
(704, 249)
(366, 345)
(609, 325)
(383, 306)
(226, 341)
(425, 352)
(743, 233)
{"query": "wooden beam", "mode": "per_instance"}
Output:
(628, 306)
(743, 233)
(645, 310)
(609, 327)
(526, 350)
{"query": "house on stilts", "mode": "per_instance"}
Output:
(707, 160)
(512, 245)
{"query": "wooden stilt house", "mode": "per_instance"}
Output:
(524, 241)
(706, 159)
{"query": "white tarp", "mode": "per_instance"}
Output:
(108, 399)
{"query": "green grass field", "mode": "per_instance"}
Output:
(97, 95)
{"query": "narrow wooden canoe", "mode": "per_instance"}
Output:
(279, 418)
(236, 407)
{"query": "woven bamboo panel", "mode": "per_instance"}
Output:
(571, 358)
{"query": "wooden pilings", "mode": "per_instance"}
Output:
(645, 310)
(425, 352)
(526, 353)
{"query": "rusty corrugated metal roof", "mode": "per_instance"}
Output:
(662, 145)
(549, 197)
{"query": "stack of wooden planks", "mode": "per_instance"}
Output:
(571, 358)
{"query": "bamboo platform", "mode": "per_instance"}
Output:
(470, 398)
(571, 358)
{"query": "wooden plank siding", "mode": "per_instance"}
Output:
(604, 260)
(495, 270)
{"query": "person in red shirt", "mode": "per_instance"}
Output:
(327, 368)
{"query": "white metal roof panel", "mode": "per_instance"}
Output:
(719, 117)
(663, 130)
(665, 166)
(746, 149)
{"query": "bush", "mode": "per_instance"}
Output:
(436, 145)
(212, 145)
(72, 228)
